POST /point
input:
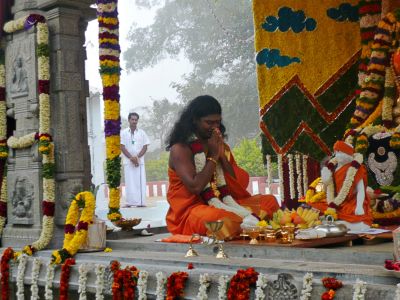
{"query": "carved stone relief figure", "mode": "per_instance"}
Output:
(22, 198)
(282, 288)
(19, 81)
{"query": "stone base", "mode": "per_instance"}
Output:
(17, 237)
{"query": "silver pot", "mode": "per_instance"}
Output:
(331, 228)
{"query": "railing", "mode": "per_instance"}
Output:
(257, 185)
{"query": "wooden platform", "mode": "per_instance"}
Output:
(312, 243)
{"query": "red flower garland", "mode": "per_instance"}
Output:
(332, 284)
(8, 254)
(64, 278)
(125, 281)
(239, 286)
(176, 285)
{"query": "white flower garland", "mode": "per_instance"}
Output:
(3, 198)
(305, 175)
(21, 142)
(291, 177)
(205, 281)
(43, 63)
(23, 259)
(348, 182)
(261, 284)
(161, 281)
(3, 137)
(307, 287)
(269, 173)
(360, 288)
(100, 271)
(142, 285)
(397, 295)
(35, 276)
(280, 174)
(222, 286)
(83, 270)
(48, 289)
(299, 176)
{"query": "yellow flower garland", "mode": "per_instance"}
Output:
(311, 197)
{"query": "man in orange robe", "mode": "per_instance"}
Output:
(189, 209)
(355, 207)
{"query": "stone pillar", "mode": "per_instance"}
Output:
(67, 21)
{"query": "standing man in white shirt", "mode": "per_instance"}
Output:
(134, 142)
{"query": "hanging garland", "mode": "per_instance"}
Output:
(48, 289)
(261, 284)
(22, 260)
(332, 285)
(160, 289)
(240, 283)
(64, 278)
(360, 288)
(46, 146)
(76, 228)
(223, 281)
(204, 284)
(35, 277)
(3, 143)
(8, 254)
(100, 282)
(109, 51)
(176, 285)
(142, 285)
(307, 287)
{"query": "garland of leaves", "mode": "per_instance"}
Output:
(44, 138)
(109, 51)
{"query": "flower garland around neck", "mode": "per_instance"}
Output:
(46, 147)
(332, 285)
(3, 143)
(215, 190)
(176, 285)
(109, 52)
(307, 287)
(355, 165)
(240, 283)
(75, 228)
(6, 257)
(64, 278)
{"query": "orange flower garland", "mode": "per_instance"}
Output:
(332, 284)
(124, 282)
(176, 285)
(239, 286)
(8, 254)
(64, 279)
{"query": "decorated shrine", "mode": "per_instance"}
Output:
(328, 83)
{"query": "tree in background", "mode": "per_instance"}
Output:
(157, 169)
(218, 39)
(159, 118)
(248, 156)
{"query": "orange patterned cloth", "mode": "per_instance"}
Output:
(346, 209)
(188, 212)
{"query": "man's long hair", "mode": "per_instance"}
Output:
(197, 108)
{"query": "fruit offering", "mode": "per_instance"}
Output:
(301, 218)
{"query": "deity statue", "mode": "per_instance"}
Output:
(19, 82)
(22, 198)
(345, 181)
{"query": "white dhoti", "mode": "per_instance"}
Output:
(135, 184)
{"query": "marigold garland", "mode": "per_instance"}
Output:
(332, 284)
(75, 236)
(124, 281)
(64, 278)
(109, 51)
(239, 285)
(311, 196)
(176, 285)
(8, 254)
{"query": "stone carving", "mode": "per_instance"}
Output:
(22, 198)
(19, 80)
(282, 288)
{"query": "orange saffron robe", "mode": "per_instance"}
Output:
(346, 210)
(188, 212)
